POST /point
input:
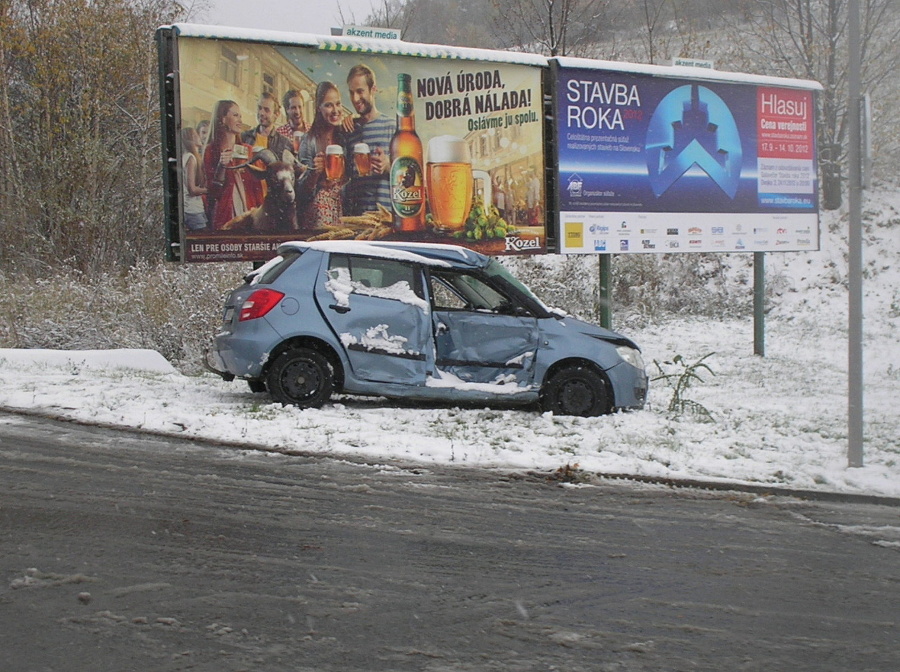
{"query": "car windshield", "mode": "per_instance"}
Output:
(507, 280)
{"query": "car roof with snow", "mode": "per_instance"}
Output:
(437, 254)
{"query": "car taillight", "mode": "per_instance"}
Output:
(259, 303)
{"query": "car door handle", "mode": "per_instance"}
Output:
(340, 309)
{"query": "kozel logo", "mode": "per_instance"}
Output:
(517, 243)
(407, 194)
(692, 126)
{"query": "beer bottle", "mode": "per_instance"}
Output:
(407, 179)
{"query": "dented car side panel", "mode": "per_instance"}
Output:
(486, 348)
(377, 319)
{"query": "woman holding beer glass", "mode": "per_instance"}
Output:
(232, 191)
(324, 151)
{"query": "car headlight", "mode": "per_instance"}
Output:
(631, 356)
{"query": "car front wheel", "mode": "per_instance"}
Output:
(576, 390)
(301, 377)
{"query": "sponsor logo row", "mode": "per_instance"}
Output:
(602, 237)
(624, 229)
(696, 244)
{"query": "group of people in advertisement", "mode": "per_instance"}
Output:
(474, 153)
(341, 163)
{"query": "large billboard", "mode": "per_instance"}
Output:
(653, 162)
(270, 139)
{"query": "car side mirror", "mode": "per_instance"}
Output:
(507, 308)
(521, 312)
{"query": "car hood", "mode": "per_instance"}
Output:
(594, 331)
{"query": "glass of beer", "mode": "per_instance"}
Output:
(361, 159)
(334, 162)
(448, 182)
(240, 151)
(297, 138)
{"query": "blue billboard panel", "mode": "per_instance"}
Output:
(651, 163)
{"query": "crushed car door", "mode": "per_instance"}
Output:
(377, 310)
(481, 335)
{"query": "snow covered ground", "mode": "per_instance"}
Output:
(780, 420)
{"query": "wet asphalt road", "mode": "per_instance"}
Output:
(125, 552)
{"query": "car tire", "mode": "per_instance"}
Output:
(257, 386)
(576, 390)
(301, 377)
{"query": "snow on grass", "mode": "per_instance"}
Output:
(778, 420)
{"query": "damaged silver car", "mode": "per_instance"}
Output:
(416, 321)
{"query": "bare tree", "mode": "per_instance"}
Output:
(808, 39)
(383, 14)
(652, 16)
(10, 163)
(550, 27)
(79, 132)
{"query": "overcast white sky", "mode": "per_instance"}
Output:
(293, 16)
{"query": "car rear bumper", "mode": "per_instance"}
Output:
(239, 354)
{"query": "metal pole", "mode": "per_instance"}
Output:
(855, 298)
(603, 289)
(759, 304)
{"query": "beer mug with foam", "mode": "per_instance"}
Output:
(449, 182)
(361, 158)
(334, 162)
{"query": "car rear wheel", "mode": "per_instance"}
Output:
(301, 377)
(576, 390)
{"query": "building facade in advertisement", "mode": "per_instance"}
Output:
(653, 162)
(278, 138)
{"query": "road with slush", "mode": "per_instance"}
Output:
(127, 552)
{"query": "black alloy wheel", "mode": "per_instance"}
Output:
(301, 377)
(576, 390)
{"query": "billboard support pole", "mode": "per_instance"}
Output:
(604, 262)
(759, 304)
(165, 41)
(855, 269)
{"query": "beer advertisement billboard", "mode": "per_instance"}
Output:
(651, 162)
(323, 139)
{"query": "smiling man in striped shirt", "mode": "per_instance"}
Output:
(375, 129)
